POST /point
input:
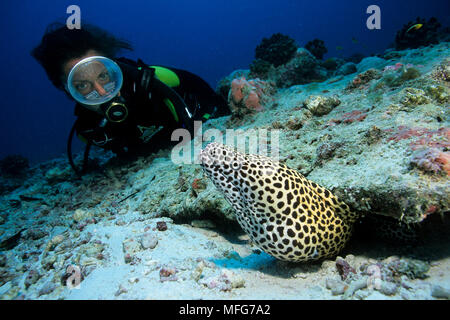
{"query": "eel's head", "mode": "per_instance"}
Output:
(235, 174)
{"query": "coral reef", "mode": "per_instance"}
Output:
(248, 96)
(224, 85)
(362, 79)
(432, 160)
(442, 71)
(260, 69)
(153, 229)
(293, 66)
(396, 75)
(430, 151)
(317, 48)
(439, 93)
(277, 49)
(302, 68)
(438, 138)
(427, 34)
(411, 97)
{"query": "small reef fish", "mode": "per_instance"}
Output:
(415, 27)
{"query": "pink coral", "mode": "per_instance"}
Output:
(349, 117)
(399, 65)
(236, 89)
(405, 132)
(355, 115)
(431, 147)
(252, 101)
(432, 160)
(394, 67)
(444, 159)
(364, 78)
(428, 138)
(248, 95)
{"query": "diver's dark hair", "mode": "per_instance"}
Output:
(60, 44)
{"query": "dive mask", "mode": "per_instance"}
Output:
(94, 80)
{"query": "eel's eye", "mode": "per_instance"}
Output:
(236, 165)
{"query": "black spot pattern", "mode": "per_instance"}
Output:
(284, 213)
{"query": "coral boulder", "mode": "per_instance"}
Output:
(248, 96)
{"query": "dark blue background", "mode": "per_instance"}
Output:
(208, 37)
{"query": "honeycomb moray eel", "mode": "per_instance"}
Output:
(285, 214)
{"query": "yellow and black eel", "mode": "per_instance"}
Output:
(284, 213)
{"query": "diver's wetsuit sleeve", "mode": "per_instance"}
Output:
(196, 91)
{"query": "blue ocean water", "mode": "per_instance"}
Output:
(208, 38)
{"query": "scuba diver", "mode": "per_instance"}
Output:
(122, 105)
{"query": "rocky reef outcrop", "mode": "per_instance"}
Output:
(378, 136)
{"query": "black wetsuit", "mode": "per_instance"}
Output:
(150, 121)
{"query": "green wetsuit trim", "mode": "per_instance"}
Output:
(172, 109)
(167, 76)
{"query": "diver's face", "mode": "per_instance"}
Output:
(87, 80)
(91, 78)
